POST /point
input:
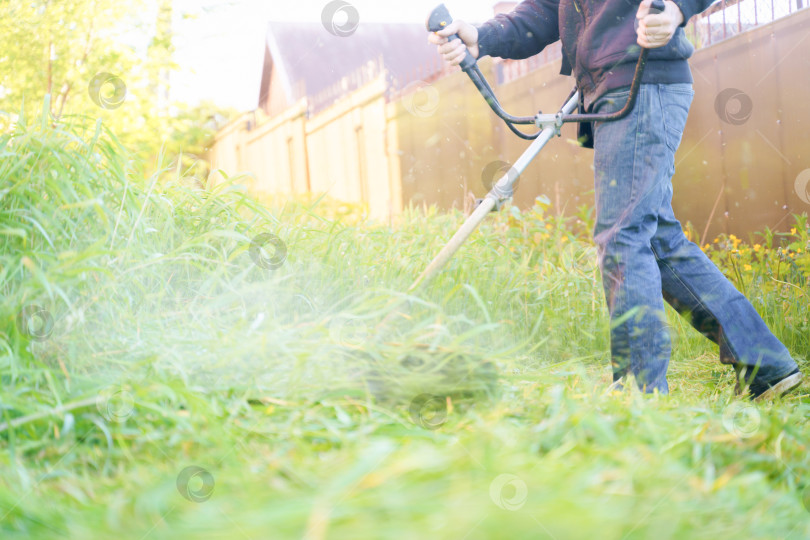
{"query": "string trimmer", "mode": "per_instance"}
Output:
(548, 124)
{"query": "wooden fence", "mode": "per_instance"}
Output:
(739, 169)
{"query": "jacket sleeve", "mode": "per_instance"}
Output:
(690, 8)
(522, 33)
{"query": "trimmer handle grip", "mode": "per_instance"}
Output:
(656, 8)
(438, 19)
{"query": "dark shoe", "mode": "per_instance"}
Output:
(751, 380)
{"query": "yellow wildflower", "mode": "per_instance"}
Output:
(757, 247)
(747, 267)
(793, 230)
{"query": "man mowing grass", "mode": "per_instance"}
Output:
(643, 253)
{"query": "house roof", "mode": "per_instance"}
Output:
(309, 60)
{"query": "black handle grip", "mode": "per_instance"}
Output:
(438, 19)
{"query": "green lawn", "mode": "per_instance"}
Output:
(173, 386)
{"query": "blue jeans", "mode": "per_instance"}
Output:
(645, 257)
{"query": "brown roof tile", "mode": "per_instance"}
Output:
(311, 60)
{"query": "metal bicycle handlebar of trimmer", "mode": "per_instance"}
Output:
(440, 18)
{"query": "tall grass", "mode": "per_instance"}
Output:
(171, 347)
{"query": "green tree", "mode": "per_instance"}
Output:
(56, 47)
(102, 59)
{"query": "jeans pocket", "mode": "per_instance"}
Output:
(611, 101)
(675, 102)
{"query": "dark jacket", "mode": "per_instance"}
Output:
(598, 41)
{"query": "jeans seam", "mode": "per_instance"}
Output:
(698, 300)
(664, 119)
(675, 90)
(667, 133)
(633, 194)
